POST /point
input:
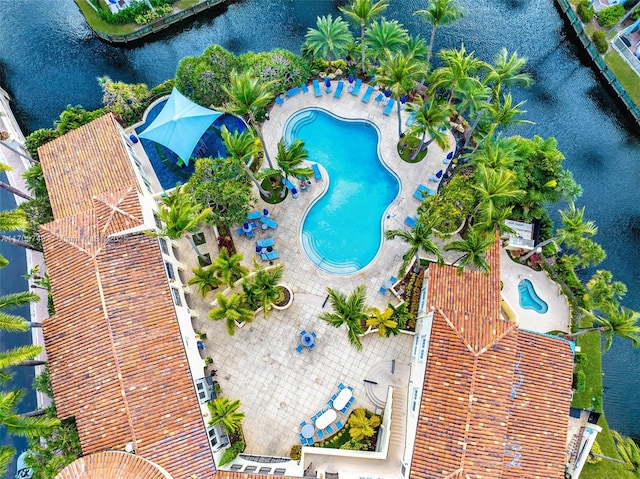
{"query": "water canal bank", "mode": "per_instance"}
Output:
(60, 62)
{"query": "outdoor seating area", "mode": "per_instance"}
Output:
(388, 283)
(250, 224)
(307, 340)
(321, 425)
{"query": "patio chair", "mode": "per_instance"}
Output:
(411, 119)
(330, 402)
(320, 434)
(303, 423)
(303, 332)
(271, 223)
(328, 430)
(240, 231)
(341, 386)
(316, 88)
(339, 426)
(389, 107)
(356, 87)
(367, 94)
(236, 467)
(265, 242)
(305, 88)
(310, 441)
(409, 221)
(314, 335)
(270, 256)
(312, 345)
(316, 172)
(393, 279)
(254, 215)
(250, 234)
(293, 91)
(434, 178)
(382, 290)
(339, 88)
(299, 348)
(279, 100)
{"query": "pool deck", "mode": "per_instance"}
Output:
(558, 316)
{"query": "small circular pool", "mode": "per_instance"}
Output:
(342, 230)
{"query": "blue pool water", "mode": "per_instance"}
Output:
(529, 299)
(342, 230)
(164, 160)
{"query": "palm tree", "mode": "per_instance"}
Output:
(495, 153)
(430, 119)
(602, 290)
(247, 95)
(457, 72)
(383, 322)
(232, 310)
(332, 37)
(262, 286)
(385, 36)
(399, 72)
(616, 321)
(227, 267)
(416, 47)
(439, 13)
(400, 314)
(418, 238)
(361, 426)
(496, 188)
(4, 168)
(180, 215)
(350, 311)
(224, 411)
(474, 98)
(474, 247)
(506, 113)
(14, 220)
(507, 71)
(205, 278)
(628, 450)
(362, 12)
(289, 159)
(241, 148)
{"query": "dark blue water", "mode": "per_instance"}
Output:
(11, 281)
(51, 60)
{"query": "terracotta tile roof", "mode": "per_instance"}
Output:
(495, 401)
(84, 163)
(111, 464)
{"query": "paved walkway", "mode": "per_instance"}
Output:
(558, 316)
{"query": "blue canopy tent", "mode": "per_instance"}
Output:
(180, 125)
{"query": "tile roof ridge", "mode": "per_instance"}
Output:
(456, 331)
(512, 327)
(74, 244)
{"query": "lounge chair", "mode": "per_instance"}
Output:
(339, 88)
(382, 290)
(254, 215)
(299, 348)
(434, 178)
(356, 87)
(271, 223)
(418, 195)
(265, 242)
(316, 88)
(270, 256)
(367, 94)
(320, 434)
(339, 426)
(379, 97)
(328, 430)
(293, 91)
(279, 100)
(305, 88)
(389, 107)
(393, 279)
(409, 221)
(316, 171)
(290, 186)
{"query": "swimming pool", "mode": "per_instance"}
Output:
(163, 160)
(342, 230)
(529, 299)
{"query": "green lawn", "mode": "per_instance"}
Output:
(100, 25)
(606, 469)
(625, 74)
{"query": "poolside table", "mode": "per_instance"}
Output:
(308, 431)
(306, 339)
(342, 399)
(326, 418)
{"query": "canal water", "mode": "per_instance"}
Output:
(50, 60)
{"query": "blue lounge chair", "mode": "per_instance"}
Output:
(270, 256)
(341, 386)
(339, 426)
(299, 348)
(316, 88)
(418, 195)
(293, 91)
(379, 97)
(389, 107)
(411, 119)
(339, 88)
(290, 186)
(271, 223)
(382, 290)
(367, 94)
(254, 215)
(265, 242)
(320, 434)
(316, 172)
(328, 430)
(279, 100)
(356, 88)
(393, 279)
(305, 88)
(409, 221)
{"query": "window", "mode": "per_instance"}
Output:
(423, 295)
(157, 220)
(163, 245)
(423, 348)
(414, 399)
(170, 272)
(213, 437)
(176, 296)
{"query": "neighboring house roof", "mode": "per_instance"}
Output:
(115, 464)
(495, 401)
(86, 162)
(115, 335)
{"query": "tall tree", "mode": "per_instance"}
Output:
(399, 73)
(603, 291)
(228, 267)
(615, 321)
(495, 190)
(418, 238)
(495, 153)
(11, 189)
(430, 119)
(385, 36)
(248, 94)
(350, 311)
(507, 71)
(504, 114)
(224, 411)
(629, 451)
(362, 12)
(458, 70)
(241, 147)
(232, 310)
(331, 38)
(439, 13)
(180, 215)
(14, 220)
(262, 286)
(474, 246)
(290, 158)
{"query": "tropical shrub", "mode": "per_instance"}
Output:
(231, 453)
(579, 381)
(636, 14)
(124, 100)
(203, 78)
(362, 424)
(152, 16)
(282, 68)
(136, 9)
(74, 117)
(296, 452)
(608, 17)
(580, 358)
(595, 449)
(599, 41)
(585, 12)
(39, 138)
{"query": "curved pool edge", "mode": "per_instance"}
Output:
(319, 195)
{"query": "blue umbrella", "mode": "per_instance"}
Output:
(245, 226)
(387, 93)
(449, 155)
(351, 78)
(439, 174)
(265, 212)
(403, 99)
(258, 249)
(327, 82)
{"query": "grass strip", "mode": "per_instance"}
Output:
(626, 75)
(100, 25)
